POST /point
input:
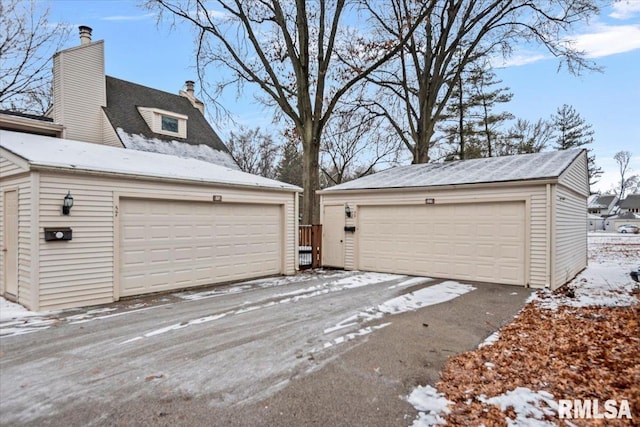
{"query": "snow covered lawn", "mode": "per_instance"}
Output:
(579, 342)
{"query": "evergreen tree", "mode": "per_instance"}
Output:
(572, 131)
(289, 168)
(474, 125)
(526, 137)
(486, 96)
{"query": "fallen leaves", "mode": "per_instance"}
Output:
(573, 353)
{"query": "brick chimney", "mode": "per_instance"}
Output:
(189, 93)
(85, 34)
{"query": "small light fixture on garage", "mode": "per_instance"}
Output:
(67, 203)
(347, 210)
(217, 198)
(430, 201)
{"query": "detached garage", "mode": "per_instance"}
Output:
(140, 222)
(516, 220)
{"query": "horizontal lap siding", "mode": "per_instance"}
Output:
(571, 221)
(538, 274)
(570, 236)
(82, 271)
(8, 168)
(79, 271)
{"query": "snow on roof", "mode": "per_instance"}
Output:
(66, 154)
(494, 169)
(177, 148)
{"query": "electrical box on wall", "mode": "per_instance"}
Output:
(60, 233)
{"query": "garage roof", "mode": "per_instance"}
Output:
(50, 152)
(545, 165)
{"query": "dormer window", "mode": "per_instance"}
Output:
(170, 124)
(165, 122)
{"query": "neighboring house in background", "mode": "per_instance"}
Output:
(630, 204)
(603, 205)
(93, 107)
(607, 212)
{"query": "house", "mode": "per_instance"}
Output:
(138, 222)
(518, 220)
(124, 190)
(93, 107)
(630, 204)
(603, 205)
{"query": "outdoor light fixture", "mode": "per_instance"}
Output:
(67, 203)
(347, 211)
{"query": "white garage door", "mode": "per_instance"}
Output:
(480, 242)
(167, 245)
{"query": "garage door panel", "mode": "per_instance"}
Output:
(167, 245)
(480, 241)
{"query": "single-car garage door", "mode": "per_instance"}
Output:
(167, 245)
(479, 241)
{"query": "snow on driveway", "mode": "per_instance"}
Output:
(235, 343)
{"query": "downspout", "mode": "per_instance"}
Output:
(548, 236)
(296, 236)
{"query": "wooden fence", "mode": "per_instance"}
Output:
(310, 246)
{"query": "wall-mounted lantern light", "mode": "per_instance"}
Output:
(347, 211)
(67, 204)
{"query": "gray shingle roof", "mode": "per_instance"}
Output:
(495, 169)
(124, 97)
(632, 201)
(602, 202)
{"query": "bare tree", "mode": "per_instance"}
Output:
(354, 144)
(416, 87)
(623, 158)
(27, 43)
(254, 151)
(296, 52)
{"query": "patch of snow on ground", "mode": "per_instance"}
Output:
(10, 311)
(530, 406)
(436, 294)
(431, 406)
(606, 281)
(490, 339)
(412, 301)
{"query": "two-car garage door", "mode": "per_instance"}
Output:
(468, 241)
(168, 245)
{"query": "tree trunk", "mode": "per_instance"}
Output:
(310, 176)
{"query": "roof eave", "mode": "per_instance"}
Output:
(513, 183)
(51, 168)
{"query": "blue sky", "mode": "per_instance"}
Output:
(141, 51)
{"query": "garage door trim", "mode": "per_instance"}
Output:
(118, 197)
(457, 201)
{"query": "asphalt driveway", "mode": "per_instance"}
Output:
(321, 348)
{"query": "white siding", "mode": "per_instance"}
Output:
(570, 235)
(576, 177)
(110, 136)
(82, 271)
(8, 168)
(23, 185)
(538, 274)
(570, 222)
(80, 92)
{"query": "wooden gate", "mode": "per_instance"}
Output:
(310, 246)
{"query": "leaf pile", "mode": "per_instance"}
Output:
(573, 353)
